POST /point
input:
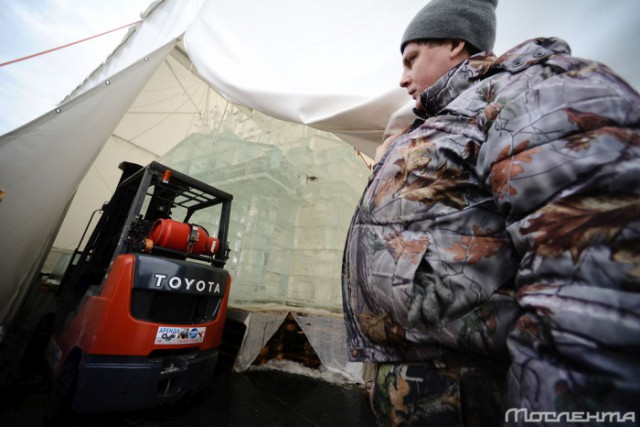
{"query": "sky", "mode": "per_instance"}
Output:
(33, 87)
(607, 31)
(604, 30)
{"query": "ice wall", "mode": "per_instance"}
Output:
(295, 190)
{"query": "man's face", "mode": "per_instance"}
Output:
(423, 64)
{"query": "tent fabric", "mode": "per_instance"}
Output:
(272, 64)
(164, 21)
(268, 59)
(43, 162)
(250, 58)
(38, 193)
(324, 330)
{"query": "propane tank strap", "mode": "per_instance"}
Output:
(148, 245)
(193, 237)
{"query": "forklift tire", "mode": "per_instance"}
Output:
(58, 405)
(33, 359)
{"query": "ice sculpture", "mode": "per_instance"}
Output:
(295, 189)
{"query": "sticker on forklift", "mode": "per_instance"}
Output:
(170, 335)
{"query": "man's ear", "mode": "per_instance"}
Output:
(458, 48)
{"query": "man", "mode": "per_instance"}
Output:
(492, 263)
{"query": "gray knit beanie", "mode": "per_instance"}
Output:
(473, 21)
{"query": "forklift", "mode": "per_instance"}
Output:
(140, 310)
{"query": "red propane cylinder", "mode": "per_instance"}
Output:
(175, 235)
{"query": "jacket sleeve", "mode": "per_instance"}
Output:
(562, 160)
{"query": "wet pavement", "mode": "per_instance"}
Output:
(255, 398)
(252, 398)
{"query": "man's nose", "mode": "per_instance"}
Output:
(404, 79)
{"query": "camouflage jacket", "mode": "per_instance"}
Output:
(508, 224)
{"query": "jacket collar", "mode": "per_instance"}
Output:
(468, 72)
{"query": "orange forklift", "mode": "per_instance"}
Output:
(141, 307)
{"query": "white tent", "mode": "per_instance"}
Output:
(61, 145)
(168, 65)
(161, 85)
